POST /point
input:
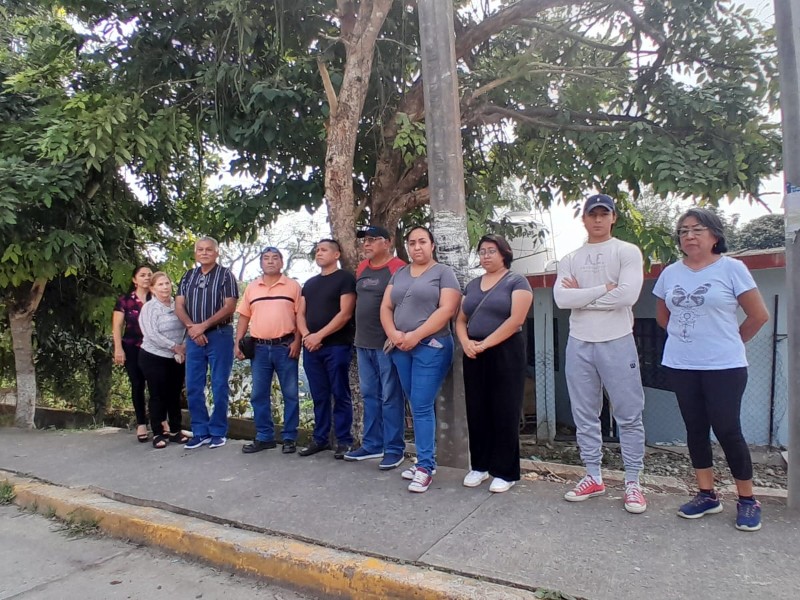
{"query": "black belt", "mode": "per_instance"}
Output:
(218, 326)
(289, 337)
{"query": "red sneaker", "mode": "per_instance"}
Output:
(586, 488)
(634, 498)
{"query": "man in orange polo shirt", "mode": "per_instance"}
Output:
(269, 307)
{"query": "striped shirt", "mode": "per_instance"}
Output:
(204, 294)
(272, 309)
(161, 328)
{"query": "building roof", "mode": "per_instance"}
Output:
(754, 259)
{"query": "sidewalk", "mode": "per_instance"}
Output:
(528, 537)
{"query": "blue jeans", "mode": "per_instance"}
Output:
(218, 355)
(384, 410)
(269, 360)
(422, 371)
(328, 375)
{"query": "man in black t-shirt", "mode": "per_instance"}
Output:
(325, 320)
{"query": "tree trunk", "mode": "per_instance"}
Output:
(358, 34)
(101, 383)
(20, 318)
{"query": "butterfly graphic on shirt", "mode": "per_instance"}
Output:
(687, 304)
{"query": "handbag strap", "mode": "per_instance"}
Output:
(489, 293)
(413, 282)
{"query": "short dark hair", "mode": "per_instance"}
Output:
(707, 219)
(502, 246)
(415, 227)
(331, 241)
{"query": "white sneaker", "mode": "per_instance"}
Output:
(409, 472)
(499, 485)
(421, 482)
(475, 478)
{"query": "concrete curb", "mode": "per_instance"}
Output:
(281, 559)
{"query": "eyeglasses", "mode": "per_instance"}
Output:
(202, 281)
(684, 231)
(371, 240)
(487, 252)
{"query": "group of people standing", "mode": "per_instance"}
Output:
(399, 318)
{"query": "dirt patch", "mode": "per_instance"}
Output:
(768, 469)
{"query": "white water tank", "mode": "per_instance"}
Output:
(532, 250)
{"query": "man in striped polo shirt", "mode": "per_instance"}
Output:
(269, 307)
(205, 303)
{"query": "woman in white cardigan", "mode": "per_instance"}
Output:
(161, 359)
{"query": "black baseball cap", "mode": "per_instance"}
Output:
(599, 200)
(374, 231)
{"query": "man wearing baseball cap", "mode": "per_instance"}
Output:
(600, 282)
(384, 408)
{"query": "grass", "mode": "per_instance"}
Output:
(6, 492)
(75, 527)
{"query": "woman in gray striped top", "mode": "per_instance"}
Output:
(161, 359)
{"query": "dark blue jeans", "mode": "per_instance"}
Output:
(327, 370)
(384, 410)
(422, 371)
(217, 355)
(269, 360)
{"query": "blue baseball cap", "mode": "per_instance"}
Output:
(599, 200)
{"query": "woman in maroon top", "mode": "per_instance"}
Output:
(128, 339)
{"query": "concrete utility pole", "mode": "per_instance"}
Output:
(446, 182)
(787, 25)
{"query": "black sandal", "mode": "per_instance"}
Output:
(142, 437)
(160, 442)
(178, 438)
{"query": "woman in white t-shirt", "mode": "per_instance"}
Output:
(698, 301)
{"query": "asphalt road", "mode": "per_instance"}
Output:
(42, 559)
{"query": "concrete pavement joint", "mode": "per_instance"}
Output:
(283, 559)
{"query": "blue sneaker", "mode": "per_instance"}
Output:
(702, 504)
(390, 461)
(362, 454)
(217, 441)
(748, 515)
(198, 441)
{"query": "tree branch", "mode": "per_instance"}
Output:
(328, 85)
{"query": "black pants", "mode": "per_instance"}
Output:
(164, 381)
(137, 380)
(713, 400)
(494, 384)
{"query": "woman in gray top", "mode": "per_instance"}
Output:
(417, 306)
(161, 360)
(489, 328)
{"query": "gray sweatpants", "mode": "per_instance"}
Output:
(590, 366)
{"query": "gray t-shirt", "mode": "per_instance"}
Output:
(417, 298)
(370, 285)
(496, 308)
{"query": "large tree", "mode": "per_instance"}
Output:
(65, 210)
(324, 95)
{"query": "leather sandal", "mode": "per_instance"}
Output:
(160, 442)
